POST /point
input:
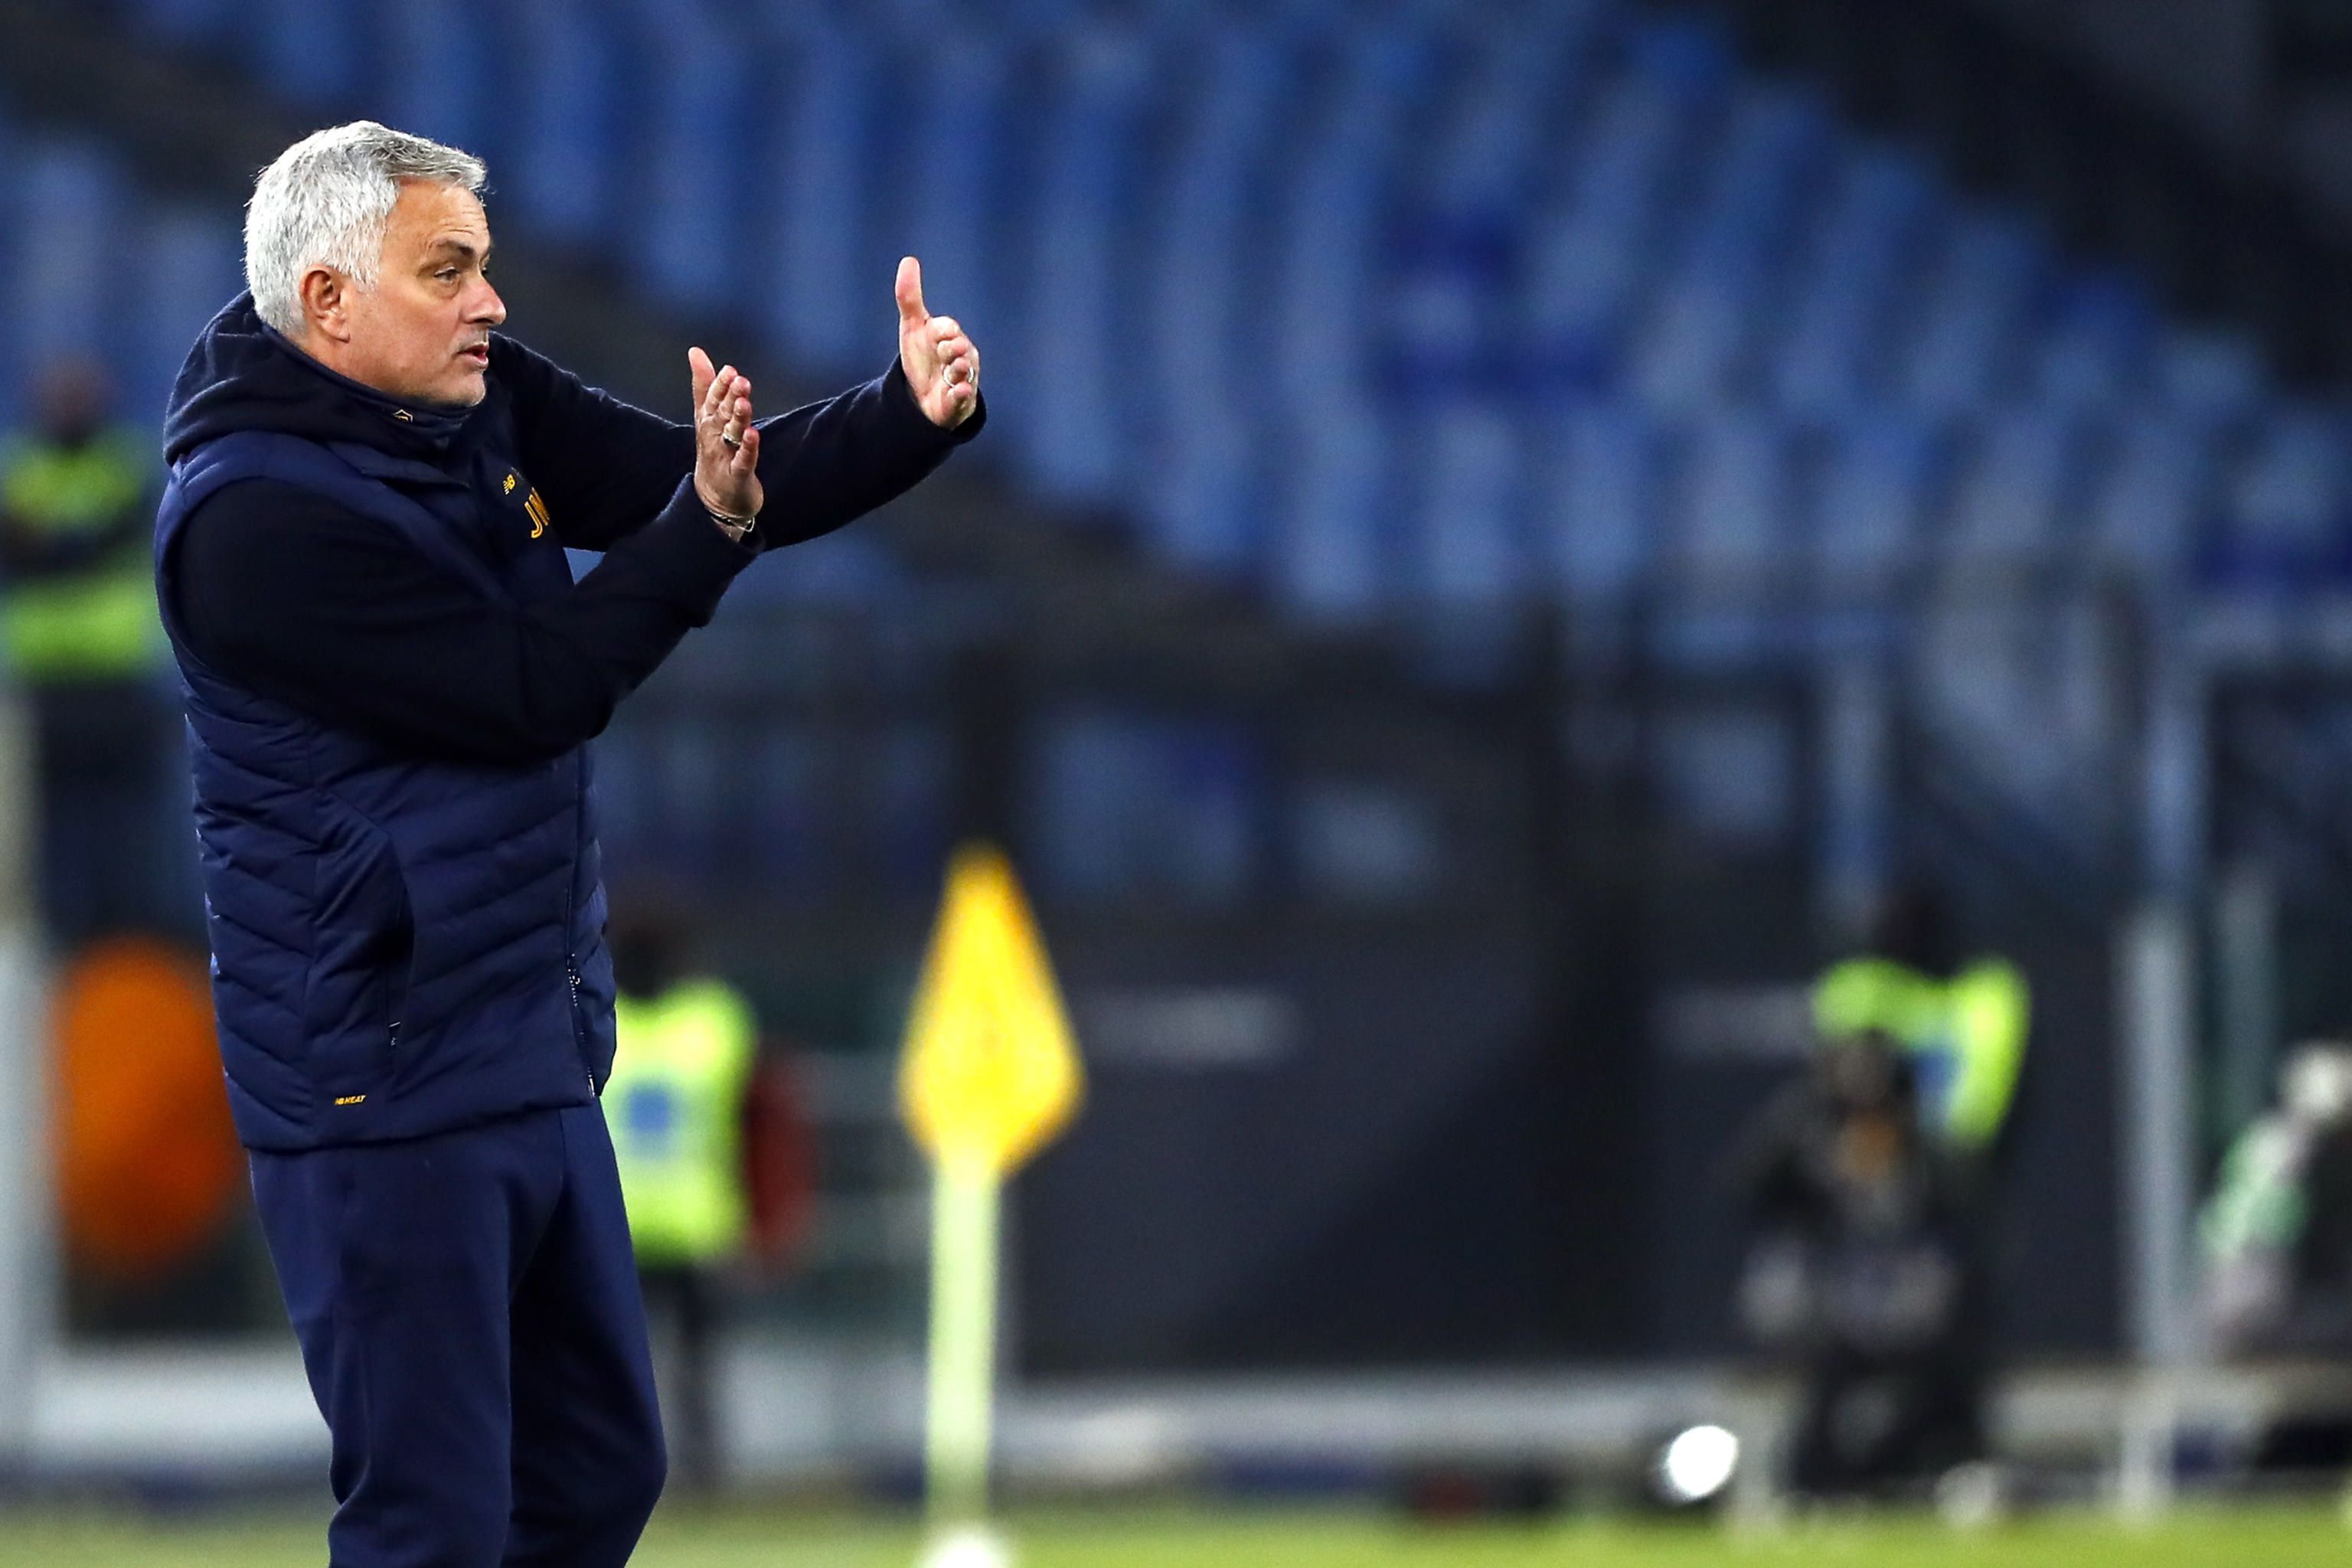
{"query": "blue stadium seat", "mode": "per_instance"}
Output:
(1731, 569)
(820, 136)
(2014, 493)
(1877, 490)
(2148, 504)
(1848, 272)
(207, 25)
(1205, 503)
(1469, 547)
(1768, 155)
(1458, 229)
(1520, 78)
(2214, 377)
(689, 244)
(1198, 272)
(432, 89)
(1600, 502)
(1688, 59)
(1966, 351)
(2094, 345)
(959, 178)
(193, 261)
(1090, 376)
(1339, 504)
(316, 57)
(565, 123)
(13, 235)
(1335, 205)
(1689, 360)
(1736, 505)
(2283, 515)
(67, 286)
(1591, 259)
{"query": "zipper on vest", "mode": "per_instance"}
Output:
(571, 914)
(579, 1027)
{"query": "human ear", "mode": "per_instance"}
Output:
(326, 303)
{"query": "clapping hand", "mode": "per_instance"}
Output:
(726, 442)
(942, 365)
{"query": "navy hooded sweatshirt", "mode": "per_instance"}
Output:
(391, 678)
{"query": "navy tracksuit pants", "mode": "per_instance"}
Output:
(469, 1317)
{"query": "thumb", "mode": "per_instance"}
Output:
(910, 292)
(699, 368)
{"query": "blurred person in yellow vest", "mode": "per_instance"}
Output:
(78, 622)
(687, 1054)
(76, 489)
(1960, 1022)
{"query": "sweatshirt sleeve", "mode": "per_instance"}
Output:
(826, 464)
(284, 592)
(603, 466)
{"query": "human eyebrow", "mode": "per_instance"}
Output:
(461, 250)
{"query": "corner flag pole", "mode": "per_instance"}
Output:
(989, 1076)
(965, 1210)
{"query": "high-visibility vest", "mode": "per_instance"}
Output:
(99, 621)
(675, 1104)
(1964, 1035)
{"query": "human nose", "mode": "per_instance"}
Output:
(487, 308)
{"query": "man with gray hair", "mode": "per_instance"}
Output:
(391, 678)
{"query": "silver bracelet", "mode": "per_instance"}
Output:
(735, 528)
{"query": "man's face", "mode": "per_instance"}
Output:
(423, 333)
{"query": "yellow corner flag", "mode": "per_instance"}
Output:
(991, 1072)
(990, 1075)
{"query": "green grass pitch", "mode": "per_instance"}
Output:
(687, 1537)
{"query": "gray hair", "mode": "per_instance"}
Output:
(324, 203)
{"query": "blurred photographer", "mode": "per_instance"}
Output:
(1861, 1272)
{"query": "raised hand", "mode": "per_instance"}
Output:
(726, 442)
(942, 365)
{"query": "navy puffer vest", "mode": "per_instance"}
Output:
(399, 946)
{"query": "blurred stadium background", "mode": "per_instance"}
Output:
(1508, 531)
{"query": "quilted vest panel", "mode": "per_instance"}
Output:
(399, 946)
